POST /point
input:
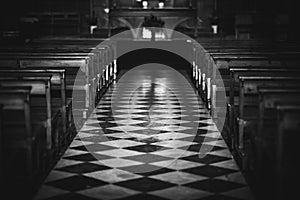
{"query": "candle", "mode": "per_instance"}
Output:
(106, 10)
(161, 4)
(215, 29)
(145, 4)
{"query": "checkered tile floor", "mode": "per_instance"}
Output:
(147, 149)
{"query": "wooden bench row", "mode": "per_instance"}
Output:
(25, 127)
(37, 89)
(210, 69)
(262, 89)
(95, 73)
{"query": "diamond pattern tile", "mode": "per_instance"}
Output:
(46, 192)
(145, 184)
(82, 157)
(147, 169)
(144, 196)
(75, 183)
(181, 192)
(177, 164)
(218, 197)
(56, 175)
(146, 148)
(154, 145)
(205, 159)
(65, 163)
(215, 185)
(83, 168)
(236, 177)
(119, 162)
(178, 177)
(94, 147)
(122, 143)
(112, 175)
(209, 171)
(108, 192)
(147, 158)
(174, 153)
(119, 153)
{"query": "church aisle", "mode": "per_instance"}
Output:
(147, 150)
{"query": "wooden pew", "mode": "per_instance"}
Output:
(16, 103)
(254, 45)
(288, 120)
(269, 97)
(248, 105)
(234, 89)
(75, 45)
(94, 56)
(61, 57)
(209, 62)
(94, 76)
(58, 93)
(41, 104)
(277, 65)
(78, 43)
(103, 71)
(272, 71)
(244, 54)
(229, 77)
(281, 165)
(72, 65)
(253, 52)
(246, 50)
(69, 45)
(224, 63)
(60, 47)
(57, 22)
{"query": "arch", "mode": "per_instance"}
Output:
(139, 57)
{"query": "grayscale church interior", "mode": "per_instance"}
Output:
(149, 99)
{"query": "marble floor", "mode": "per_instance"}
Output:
(152, 139)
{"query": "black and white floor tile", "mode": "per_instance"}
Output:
(147, 153)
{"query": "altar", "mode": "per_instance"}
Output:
(134, 18)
